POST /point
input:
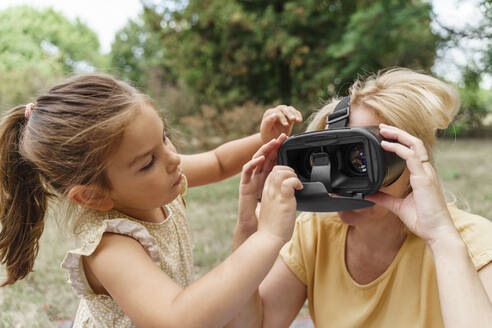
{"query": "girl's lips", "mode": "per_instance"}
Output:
(179, 180)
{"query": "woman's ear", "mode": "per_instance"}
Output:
(91, 197)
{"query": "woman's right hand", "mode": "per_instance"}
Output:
(278, 203)
(424, 210)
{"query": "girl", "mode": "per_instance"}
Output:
(98, 144)
(409, 261)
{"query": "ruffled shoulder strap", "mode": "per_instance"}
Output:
(90, 237)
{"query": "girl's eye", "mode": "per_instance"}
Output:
(165, 137)
(149, 165)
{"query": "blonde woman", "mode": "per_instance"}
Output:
(409, 261)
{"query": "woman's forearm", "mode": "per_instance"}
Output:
(464, 301)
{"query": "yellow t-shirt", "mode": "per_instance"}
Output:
(405, 295)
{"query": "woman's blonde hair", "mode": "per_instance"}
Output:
(414, 102)
(64, 141)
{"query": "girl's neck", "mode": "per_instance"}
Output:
(156, 215)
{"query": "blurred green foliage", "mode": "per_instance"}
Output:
(38, 47)
(228, 52)
(475, 102)
(200, 60)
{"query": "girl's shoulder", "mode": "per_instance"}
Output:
(89, 235)
(92, 228)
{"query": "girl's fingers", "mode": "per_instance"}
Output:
(270, 162)
(266, 148)
(403, 137)
(249, 167)
(284, 114)
(270, 146)
(270, 151)
(298, 115)
(283, 169)
(281, 138)
(289, 185)
(265, 151)
(292, 114)
(279, 116)
(280, 173)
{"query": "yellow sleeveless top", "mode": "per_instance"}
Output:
(168, 244)
(405, 295)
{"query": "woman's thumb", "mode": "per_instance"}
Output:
(387, 201)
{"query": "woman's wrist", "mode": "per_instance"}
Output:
(448, 239)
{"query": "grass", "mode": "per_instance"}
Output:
(44, 298)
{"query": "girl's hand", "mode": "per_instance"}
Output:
(278, 203)
(424, 210)
(278, 120)
(253, 178)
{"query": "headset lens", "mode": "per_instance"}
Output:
(357, 158)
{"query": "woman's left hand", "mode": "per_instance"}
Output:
(424, 210)
(278, 120)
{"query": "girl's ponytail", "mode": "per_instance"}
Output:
(23, 200)
(46, 149)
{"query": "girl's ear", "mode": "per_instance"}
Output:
(91, 197)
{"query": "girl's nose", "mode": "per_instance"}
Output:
(172, 159)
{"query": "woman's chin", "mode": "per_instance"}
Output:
(349, 217)
(354, 216)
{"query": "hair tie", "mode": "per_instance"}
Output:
(29, 109)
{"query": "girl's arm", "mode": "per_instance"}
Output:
(463, 296)
(151, 299)
(282, 293)
(227, 159)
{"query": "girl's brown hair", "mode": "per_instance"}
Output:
(66, 141)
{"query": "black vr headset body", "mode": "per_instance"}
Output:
(340, 165)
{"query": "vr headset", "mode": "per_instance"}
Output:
(340, 165)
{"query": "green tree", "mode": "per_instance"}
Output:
(473, 102)
(137, 54)
(232, 51)
(37, 47)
